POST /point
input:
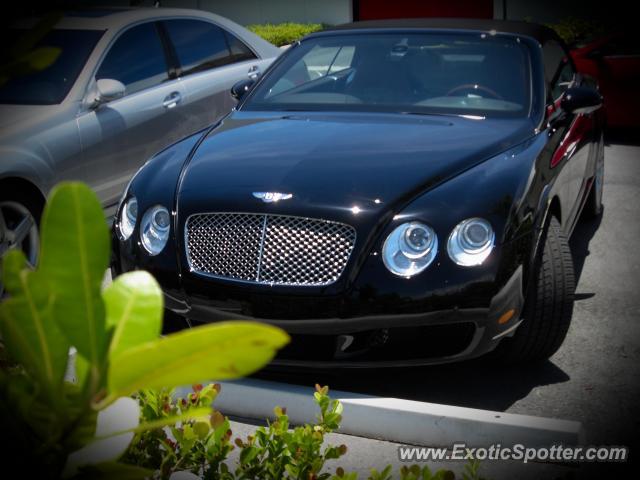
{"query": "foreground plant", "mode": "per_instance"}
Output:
(201, 447)
(198, 445)
(58, 428)
(276, 451)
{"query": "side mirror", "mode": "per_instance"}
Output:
(106, 90)
(241, 88)
(581, 100)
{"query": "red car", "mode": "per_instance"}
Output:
(615, 62)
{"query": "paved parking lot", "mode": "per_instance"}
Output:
(595, 377)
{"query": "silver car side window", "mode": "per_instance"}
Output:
(240, 52)
(136, 59)
(198, 45)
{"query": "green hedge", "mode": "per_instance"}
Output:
(284, 33)
(576, 31)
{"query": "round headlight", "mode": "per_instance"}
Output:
(154, 229)
(471, 242)
(128, 217)
(409, 249)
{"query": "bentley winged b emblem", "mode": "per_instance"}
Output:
(270, 197)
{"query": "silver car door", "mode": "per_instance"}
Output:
(211, 60)
(119, 136)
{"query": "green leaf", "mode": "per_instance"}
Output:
(12, 264)
(220, 429)
(201, 429)
(42, 57)
(114, 432)
(443, 474)
(426, 473)
(221, 351)
(386, 473)
(82, 369)
(74, 257)
(201, 413)
(111, 470)
(134, 310)
(31, 337)
(248, 454)
(83, 419)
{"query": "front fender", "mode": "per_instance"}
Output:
(26, 165)
(505, 190)
(154, 184)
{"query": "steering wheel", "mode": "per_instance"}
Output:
(474, 88)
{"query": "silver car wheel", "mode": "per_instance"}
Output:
(18, 229)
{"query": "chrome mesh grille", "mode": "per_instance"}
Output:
(268, 249)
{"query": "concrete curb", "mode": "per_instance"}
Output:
(396, 420)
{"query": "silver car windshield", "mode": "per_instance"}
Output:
(423, 73)
(61, 54)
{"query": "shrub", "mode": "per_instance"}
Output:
(277, 451)
(576, 30)
(56, 427)
(201, 446)
(284, 33)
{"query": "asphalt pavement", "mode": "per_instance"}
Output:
(594, 378)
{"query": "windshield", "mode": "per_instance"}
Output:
(423, 73)
(45, 74)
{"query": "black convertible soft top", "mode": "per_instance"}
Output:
(533, 30)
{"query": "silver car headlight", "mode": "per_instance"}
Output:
(471, 242)
(154, 229)
(128, 217)
(409, 249)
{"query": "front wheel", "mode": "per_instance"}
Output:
(549, 304)
(19, 221)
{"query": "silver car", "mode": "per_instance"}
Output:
(124, 85)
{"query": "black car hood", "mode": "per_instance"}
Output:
(335, 165)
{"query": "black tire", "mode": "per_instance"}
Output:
(548, 306)
(20, 195)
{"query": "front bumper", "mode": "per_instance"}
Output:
(427, 338)
(344, 332)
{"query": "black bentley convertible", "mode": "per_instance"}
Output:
(389, 193)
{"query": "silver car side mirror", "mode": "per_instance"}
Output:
(106, 90)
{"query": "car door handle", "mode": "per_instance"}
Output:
(172, 100)
(254, 71)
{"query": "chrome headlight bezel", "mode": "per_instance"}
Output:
(154, 229)
(402, 253)
(471, 242)
(127, 218)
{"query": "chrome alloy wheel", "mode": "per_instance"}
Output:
(18, 229)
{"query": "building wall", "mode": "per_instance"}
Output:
(383, 9)
(246, 12)
(334, 12)
(553, 11)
